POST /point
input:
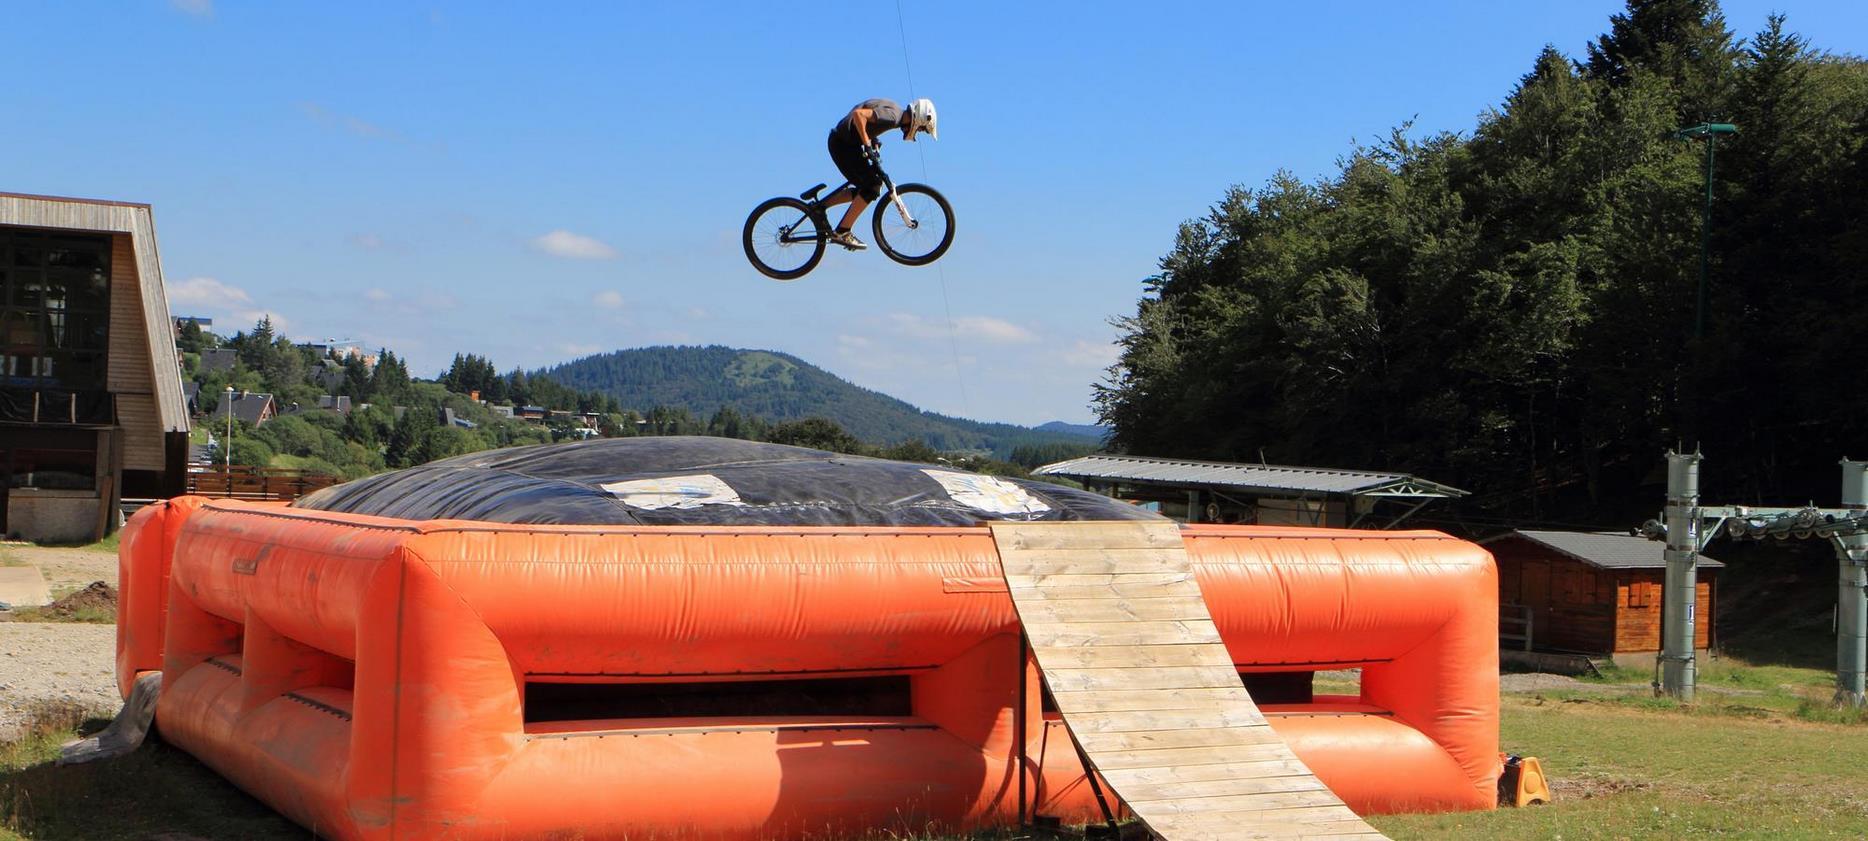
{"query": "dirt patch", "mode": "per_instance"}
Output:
(1584, 788)
(93, 602)
(1542, 681)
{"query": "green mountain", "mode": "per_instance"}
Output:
(781, 387)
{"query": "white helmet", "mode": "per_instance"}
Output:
(921, 118)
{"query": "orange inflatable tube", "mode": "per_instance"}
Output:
(374, 678)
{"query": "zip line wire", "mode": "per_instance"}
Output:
(953, 342)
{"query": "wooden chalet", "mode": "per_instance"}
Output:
(1595, 593)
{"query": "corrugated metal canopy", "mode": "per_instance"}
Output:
(1607, 549)
(1245, 477)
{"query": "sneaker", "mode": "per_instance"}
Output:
(848, 240)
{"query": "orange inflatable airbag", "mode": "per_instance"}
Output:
(377, 678)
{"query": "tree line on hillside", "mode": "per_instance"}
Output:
(1512, 310)
(395, 420)
(781, 387)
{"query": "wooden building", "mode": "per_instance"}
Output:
(91, 405)
(1596, 593)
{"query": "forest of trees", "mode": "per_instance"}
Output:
(1512, 309)
(373, 437)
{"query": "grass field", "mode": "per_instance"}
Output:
(1623, 767)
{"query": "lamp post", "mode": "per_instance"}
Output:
(227, 451)
(1708, 132)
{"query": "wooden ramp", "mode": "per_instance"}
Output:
(1137, 668)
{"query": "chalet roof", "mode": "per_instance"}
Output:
(1605, 549)
(1253, 477)
(251, 406)
(218, 359)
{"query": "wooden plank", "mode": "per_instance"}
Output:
(1094, 536)
(1147, 792)
(1183, 677)
(1121, 633)
(1116, 590)
(1260, 769)
(1093, 555)
(1273, 815)
(1088, 566)
(1195, 737)
(1140, 720)
(1287, 799)
(1115, 656)
(1115, 609)
(1182, 757)
(1189, 828)
(1050, 580)
(1151, 700)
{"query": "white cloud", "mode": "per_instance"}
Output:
(376, 295)
(206, 296)
(608, 299)
(1097, 355)
(698, 313)
(206, 291)
(576, 350)
(355, 125)
(562, 243)
(198, 8)
(372, 242)
(853, 342)
(980, 328)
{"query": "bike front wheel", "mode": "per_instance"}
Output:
(923, 235)
(783, 238)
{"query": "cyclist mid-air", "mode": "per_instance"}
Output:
(786, 236)
(856, 147)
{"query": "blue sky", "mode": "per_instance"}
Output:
(536, 182)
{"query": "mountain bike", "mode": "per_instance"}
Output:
(785, 236)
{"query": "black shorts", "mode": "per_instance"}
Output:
(847, 152)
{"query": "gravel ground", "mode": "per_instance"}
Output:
(67, 569)
(57, 662)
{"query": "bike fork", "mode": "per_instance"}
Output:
(895, 198)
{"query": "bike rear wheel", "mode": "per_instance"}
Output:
(783, 238)
(923, 241)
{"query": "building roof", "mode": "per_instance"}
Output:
(1605, 549)
(251, 406)
(219, 359)
(1257, 477)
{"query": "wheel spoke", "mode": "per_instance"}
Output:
(784, 239)
(928, 231)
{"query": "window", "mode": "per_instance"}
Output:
(54, 314)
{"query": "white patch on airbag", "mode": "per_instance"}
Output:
(674, 492)
(987, 493)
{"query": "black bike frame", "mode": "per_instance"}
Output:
(818, 210)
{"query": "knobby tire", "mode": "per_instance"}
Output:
(908, 248)
(763, 232)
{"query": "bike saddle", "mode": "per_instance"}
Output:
(811, 194)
